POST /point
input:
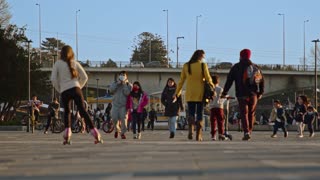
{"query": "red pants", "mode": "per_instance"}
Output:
(217, 117)
(247, 108)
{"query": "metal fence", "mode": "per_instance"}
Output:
(123, 64)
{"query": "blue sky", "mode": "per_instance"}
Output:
(107, 28)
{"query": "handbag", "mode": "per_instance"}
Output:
(208, 89)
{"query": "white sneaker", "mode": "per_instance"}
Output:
(139, 135)
(300, 136)
(312, 134)
(134, 136)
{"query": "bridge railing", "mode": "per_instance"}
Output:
(123, 64)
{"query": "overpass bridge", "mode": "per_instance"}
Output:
(154, 79)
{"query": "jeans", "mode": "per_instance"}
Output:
(172, 122)
(195, 107)
(278, 125)
(74, 94)
(136, 120)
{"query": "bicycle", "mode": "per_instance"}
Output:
(108, 126)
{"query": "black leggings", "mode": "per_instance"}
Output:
(76, 95)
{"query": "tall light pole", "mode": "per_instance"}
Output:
(284, 39)
(315, 77)
(197, 17)
(77, 34)
(166, 10)
(180, 37)
(53, 60)
(150, 50)
(39, 32)
(29, 89)
(304, 44)
(97, 92)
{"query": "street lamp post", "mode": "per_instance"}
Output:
(77, 34)
(53, 61)
(315, 78)
(166, 10)
(197, 17)
(29, 89)
(97, 92)
(150, 50)
(181, 37)
(284, 39)
(304, 44)
(39, 31)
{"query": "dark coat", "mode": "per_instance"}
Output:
(171, 108)
(236, 74)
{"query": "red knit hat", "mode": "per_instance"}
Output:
(245, 54)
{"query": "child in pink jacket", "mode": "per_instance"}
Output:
(137, 100)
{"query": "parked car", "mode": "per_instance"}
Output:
(136, 64)
(156, 64)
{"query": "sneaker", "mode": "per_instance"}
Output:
(45, 132)
(300, 135)
(213, 138)
(139, 135)
(274, 135)
(286, 134)
(95, 133)
(246, 137)
(222, 137)
(116, 134)
(171, 135)
(123, 136)
(135, 136)
(311, 135)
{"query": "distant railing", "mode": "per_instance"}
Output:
(123, 64)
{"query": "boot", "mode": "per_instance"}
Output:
(191, 124)
(67, 136)
(95, 133)
(199, 125)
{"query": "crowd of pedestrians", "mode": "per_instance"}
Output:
(128, 108)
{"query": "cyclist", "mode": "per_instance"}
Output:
(53, 111)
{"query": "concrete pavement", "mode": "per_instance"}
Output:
(155, 156)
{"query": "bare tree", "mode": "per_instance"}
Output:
(5, 15)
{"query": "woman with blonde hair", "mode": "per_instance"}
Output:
(68, 77)
(194, 72)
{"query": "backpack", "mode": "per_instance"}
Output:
(253, 76)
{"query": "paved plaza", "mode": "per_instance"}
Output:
(155, 156)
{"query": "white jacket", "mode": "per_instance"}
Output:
(61, 76)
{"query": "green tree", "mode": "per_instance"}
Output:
(5, 15)
(109, 63)
(141, 49)
(50, 48)
(14, 71)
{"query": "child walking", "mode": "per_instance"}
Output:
(279, 118)
(300, 110)
(216, 111)
(136, 101)
(309, 119)
(172, 106)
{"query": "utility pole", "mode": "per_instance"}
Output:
(181, 37)
(315, 78)
(29, 89)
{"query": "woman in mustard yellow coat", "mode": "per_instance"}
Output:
(192, 74)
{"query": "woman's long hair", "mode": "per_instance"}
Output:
(194, 58)
(174, 83)
(67, 55)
